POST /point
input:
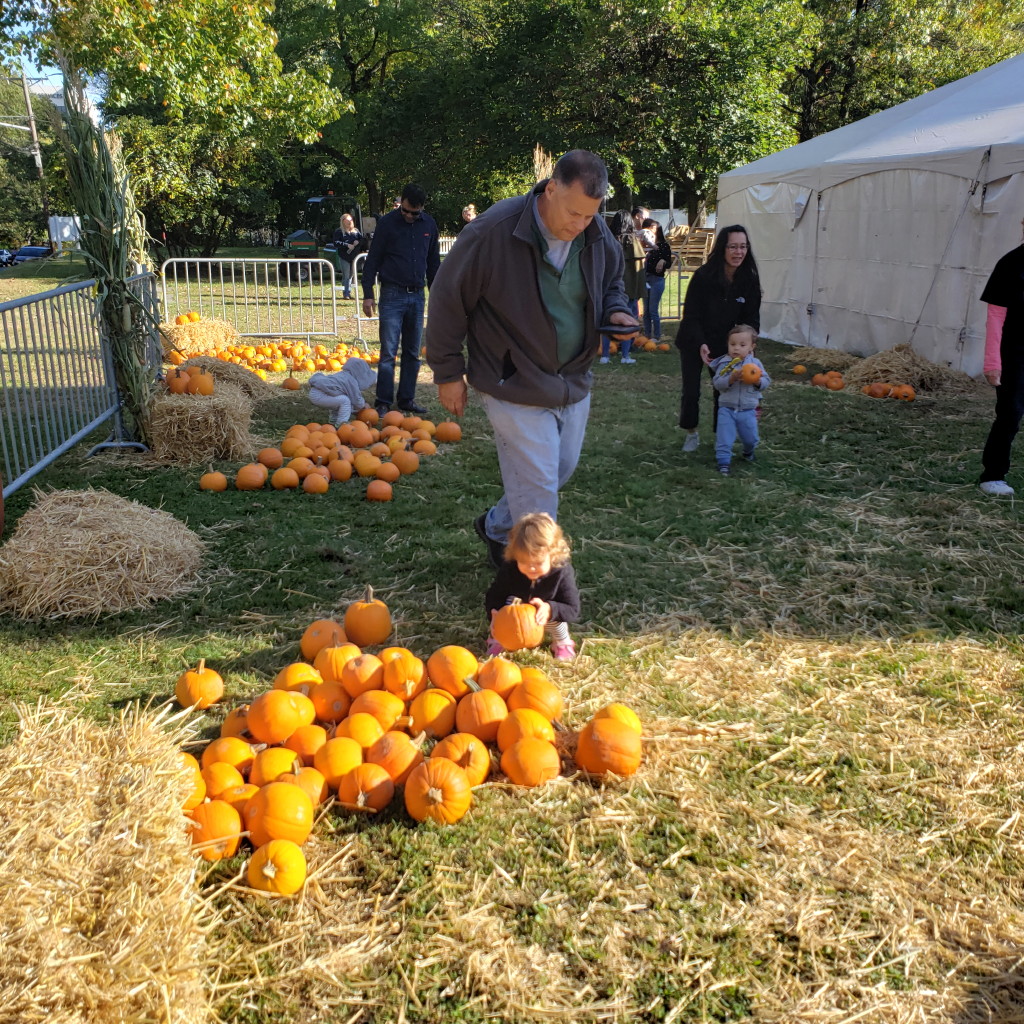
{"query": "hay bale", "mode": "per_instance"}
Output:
(191, 429)
(231, 373)
(100, 917)
(206, 335)
(826, 358)
(89, 553)
(902, 365)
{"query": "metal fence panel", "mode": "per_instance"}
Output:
(260, 297)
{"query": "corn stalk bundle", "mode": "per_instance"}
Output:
(112, 238)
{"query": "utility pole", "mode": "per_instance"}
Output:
(38, 156)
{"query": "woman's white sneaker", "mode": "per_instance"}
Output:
(692, 442)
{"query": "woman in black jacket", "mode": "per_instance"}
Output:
(724, 292)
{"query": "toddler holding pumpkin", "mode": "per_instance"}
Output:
(341, 392)
(740, 379)
(537, 571)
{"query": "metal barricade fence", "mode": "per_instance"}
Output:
(56, 376)
(284, 298)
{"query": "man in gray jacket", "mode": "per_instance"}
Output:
(524, 292)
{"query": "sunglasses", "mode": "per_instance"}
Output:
(415, 214)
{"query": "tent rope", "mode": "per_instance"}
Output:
(985, 157)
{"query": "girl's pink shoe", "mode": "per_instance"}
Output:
(493, 647)
(563, 652)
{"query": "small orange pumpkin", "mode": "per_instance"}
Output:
(213, 481)
(273, 716)
(540, 694)
(480, 714)
(277, 867)
(750, 374)
(515, 626)
(524, 723)
(468, 752)
(397, 754)
(366, 787)
(531, 762)
(361, 727)
(433, 712)
(336, 758)
(199, 687)
(449, 667)
(320, 634)
(608, 745)
(499, 674)
(405, 675)
(368, 622)
(379, 490)
(217, 831)
(279, 811)
(438, 789)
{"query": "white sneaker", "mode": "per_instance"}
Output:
(997, 488)
(604, 359)
(626, 361)
(692, 442)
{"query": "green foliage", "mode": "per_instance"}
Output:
(874, 54)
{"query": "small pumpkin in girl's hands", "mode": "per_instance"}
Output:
(515, 626)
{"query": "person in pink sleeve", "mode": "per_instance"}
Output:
(1004, 367)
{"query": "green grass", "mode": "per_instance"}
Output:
(823, 647)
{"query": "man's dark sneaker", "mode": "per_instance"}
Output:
(495, 550)
(382, 408)
(416, 410)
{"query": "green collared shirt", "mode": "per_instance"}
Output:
(565, 297)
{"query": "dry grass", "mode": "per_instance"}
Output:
(826, 358)
(902, 365)
(237, 376)
(191, 429)
(100, 917)
(90, 553)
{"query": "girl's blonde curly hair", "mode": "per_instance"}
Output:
(537, 534)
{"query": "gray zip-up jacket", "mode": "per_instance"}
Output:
(345, 386)
(486, 299)
(739, 397)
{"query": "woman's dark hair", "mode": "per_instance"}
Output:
(659, 234)
(622, 226)
(716, 261)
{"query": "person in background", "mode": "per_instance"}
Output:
(633, 280)
(537, 570)
(405, 254)
(514, 311)
(722, 293)
(468, 214)
(1004, 367)
(740, 389)
(657, 264)
(346, 244)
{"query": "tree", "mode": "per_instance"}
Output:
(872, 54)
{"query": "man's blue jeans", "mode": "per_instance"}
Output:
(538, 450)
(401, 319)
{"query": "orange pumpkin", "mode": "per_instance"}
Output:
(433, 712)
(622, 714)
(220, 776)
(469, 753)
(385, 707)
(330, 701)
(314, 483)
(213, 481)
(438, 789)
(268, 764)
(499, 674)
(320, 634)
(275, 715)
(480, 713)
(406, 461)
(608, 745)
(195, 777)
(531, 762)
(272, 458)
(298, 676)
(361, 674)
(200, 687)
(447, 432)
(397, 754)
(236, 722)
(251, 477)
(279, 811)
(368, 622)
(368, 787)
(904, 392)
(361, 727)
(750, 374)
(330, 662)
(306, 741)
(239, 796)
(284, 478)
(379, 490)
(217, 830)
(539, 694)
(515, 626)
(336, 758)
(405, 675)
(524, 723)
(311, 781)
(799, 369)
(449, 667)
(231, 750)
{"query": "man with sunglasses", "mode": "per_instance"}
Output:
(404, 254)
(515, 313)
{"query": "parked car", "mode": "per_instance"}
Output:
(32, 252)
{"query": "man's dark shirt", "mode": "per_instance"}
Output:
(401, 253)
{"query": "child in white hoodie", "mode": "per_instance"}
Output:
(739, 378)
(341, 392)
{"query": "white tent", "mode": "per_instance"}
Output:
(886, 230)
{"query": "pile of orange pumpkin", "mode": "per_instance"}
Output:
(315, 455)
(901, 392)
(280, 356)
(193, 381)
(352, 727)
(832, 380)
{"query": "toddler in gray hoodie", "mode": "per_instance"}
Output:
(740, 380)
(341, 392)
